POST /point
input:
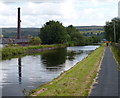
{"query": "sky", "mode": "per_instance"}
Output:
(119, 9)
(35, 13)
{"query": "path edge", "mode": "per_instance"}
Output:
(98, 71)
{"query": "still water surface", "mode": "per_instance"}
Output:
(29, 72)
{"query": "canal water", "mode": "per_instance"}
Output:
(29, 72)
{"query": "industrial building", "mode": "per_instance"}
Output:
(19, 39)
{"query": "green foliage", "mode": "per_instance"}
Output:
(96, 39)
(70, 30)
(53, 32)
(91, 40)
(35, 41)
(12, 45)
(15, 50)
(77, 38)
(109, 29)
(88, 40)
(9, 52)
(116, 51)
(74, 36)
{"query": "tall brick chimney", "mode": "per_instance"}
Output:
(18, 28)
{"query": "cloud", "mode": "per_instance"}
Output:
(36, 1)
(41, 9)
(76, 12)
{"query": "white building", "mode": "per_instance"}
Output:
(119, 9)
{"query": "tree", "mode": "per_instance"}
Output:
(109, 29)
(70, 29)
(88, 40)
(75, 36)
(96, 39)
(53, 32)
(35, 41)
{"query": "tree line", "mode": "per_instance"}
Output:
(112, 30)
(53, 32)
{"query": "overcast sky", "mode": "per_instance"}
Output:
(75, 12)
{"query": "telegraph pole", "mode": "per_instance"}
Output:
(114, 33)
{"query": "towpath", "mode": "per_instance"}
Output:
(108, 81)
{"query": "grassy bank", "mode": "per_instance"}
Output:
(74, 82)
(116, 51)
(15, 50)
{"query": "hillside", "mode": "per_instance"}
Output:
(12, 32)
(86, 30)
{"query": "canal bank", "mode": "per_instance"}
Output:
(14, 51)
(76, 81)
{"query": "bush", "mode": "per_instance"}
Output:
(35, 41)
(11, 51)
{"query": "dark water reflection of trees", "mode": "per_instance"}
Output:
(54, 58)
(71, 54)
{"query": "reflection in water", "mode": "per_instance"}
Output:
(51, 60)
(71, 54)
(53, 69)
(54, 60)
(19, 70)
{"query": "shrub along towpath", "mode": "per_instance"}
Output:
(75, 82)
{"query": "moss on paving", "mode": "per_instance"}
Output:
(76, 81)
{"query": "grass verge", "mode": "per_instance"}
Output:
(116, 52)
(15, 50)
(74, 82)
